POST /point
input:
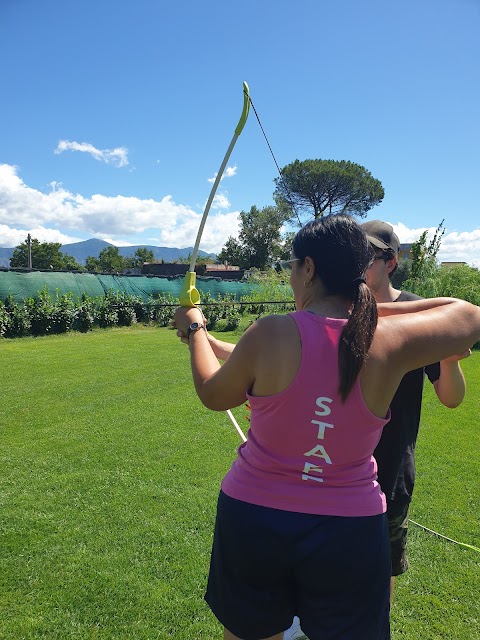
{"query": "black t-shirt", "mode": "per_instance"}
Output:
(395, 451)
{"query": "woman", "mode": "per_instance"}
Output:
(301, 526)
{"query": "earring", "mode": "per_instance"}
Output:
(307, 284)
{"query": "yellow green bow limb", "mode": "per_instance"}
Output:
(189, 296)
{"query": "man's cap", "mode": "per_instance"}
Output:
(381, 235)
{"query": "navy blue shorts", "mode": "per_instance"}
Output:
(269, 565)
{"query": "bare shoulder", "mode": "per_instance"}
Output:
(272, 327)
(274, 320)
(275, 353)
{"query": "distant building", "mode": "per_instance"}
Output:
(451, 264)
(225, 272)
(169, 269)
(405, 251)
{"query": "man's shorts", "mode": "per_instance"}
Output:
(398, 515)
(269, 565)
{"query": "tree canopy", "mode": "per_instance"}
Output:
(260, 240)
(45, 255)
(313, 187)
(110, 261)
(424, 257)
(141, 255)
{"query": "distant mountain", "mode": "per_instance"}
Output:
(81, 250)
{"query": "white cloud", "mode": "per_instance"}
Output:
(220, 201)
(228, 173)
(461, 247)
(120, 220)
(118, 156)
(11, 237)
(218, 229)
(62, 216)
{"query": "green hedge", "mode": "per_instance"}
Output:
(44, 314)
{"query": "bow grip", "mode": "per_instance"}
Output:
(189, 296)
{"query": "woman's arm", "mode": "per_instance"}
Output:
(219, 388)
(221, 349)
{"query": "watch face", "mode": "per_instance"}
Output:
(195, 326)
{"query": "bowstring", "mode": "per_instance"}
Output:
(289, 197)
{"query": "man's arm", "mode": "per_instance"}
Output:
(450, 386)
(411, 306)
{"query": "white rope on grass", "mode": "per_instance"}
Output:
(462, 544)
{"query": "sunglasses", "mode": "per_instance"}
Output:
(286, 265)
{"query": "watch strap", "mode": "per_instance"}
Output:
(195, 326)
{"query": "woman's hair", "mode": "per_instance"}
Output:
(341, 253)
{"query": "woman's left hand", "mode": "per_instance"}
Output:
(185, 316)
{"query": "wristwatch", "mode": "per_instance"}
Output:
(195, 326)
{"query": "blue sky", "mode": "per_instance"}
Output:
(116, 113)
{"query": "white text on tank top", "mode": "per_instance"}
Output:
(319, 450)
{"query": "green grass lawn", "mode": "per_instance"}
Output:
(110, 468)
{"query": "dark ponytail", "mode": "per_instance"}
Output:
(356, 339)
(341, 253)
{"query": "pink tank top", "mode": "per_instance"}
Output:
(307, 451)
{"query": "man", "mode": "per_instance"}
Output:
(395, 453)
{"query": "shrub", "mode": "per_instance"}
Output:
(163, 309)
(141, 308)
(86, 314)
(18, 323)
(211, 311)
(272, 286)
(4, 319)
(107, 310)
(63, 313)
(232, 317)
(40, 311)
(125, 309)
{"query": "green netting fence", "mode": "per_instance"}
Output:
(22, 285)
